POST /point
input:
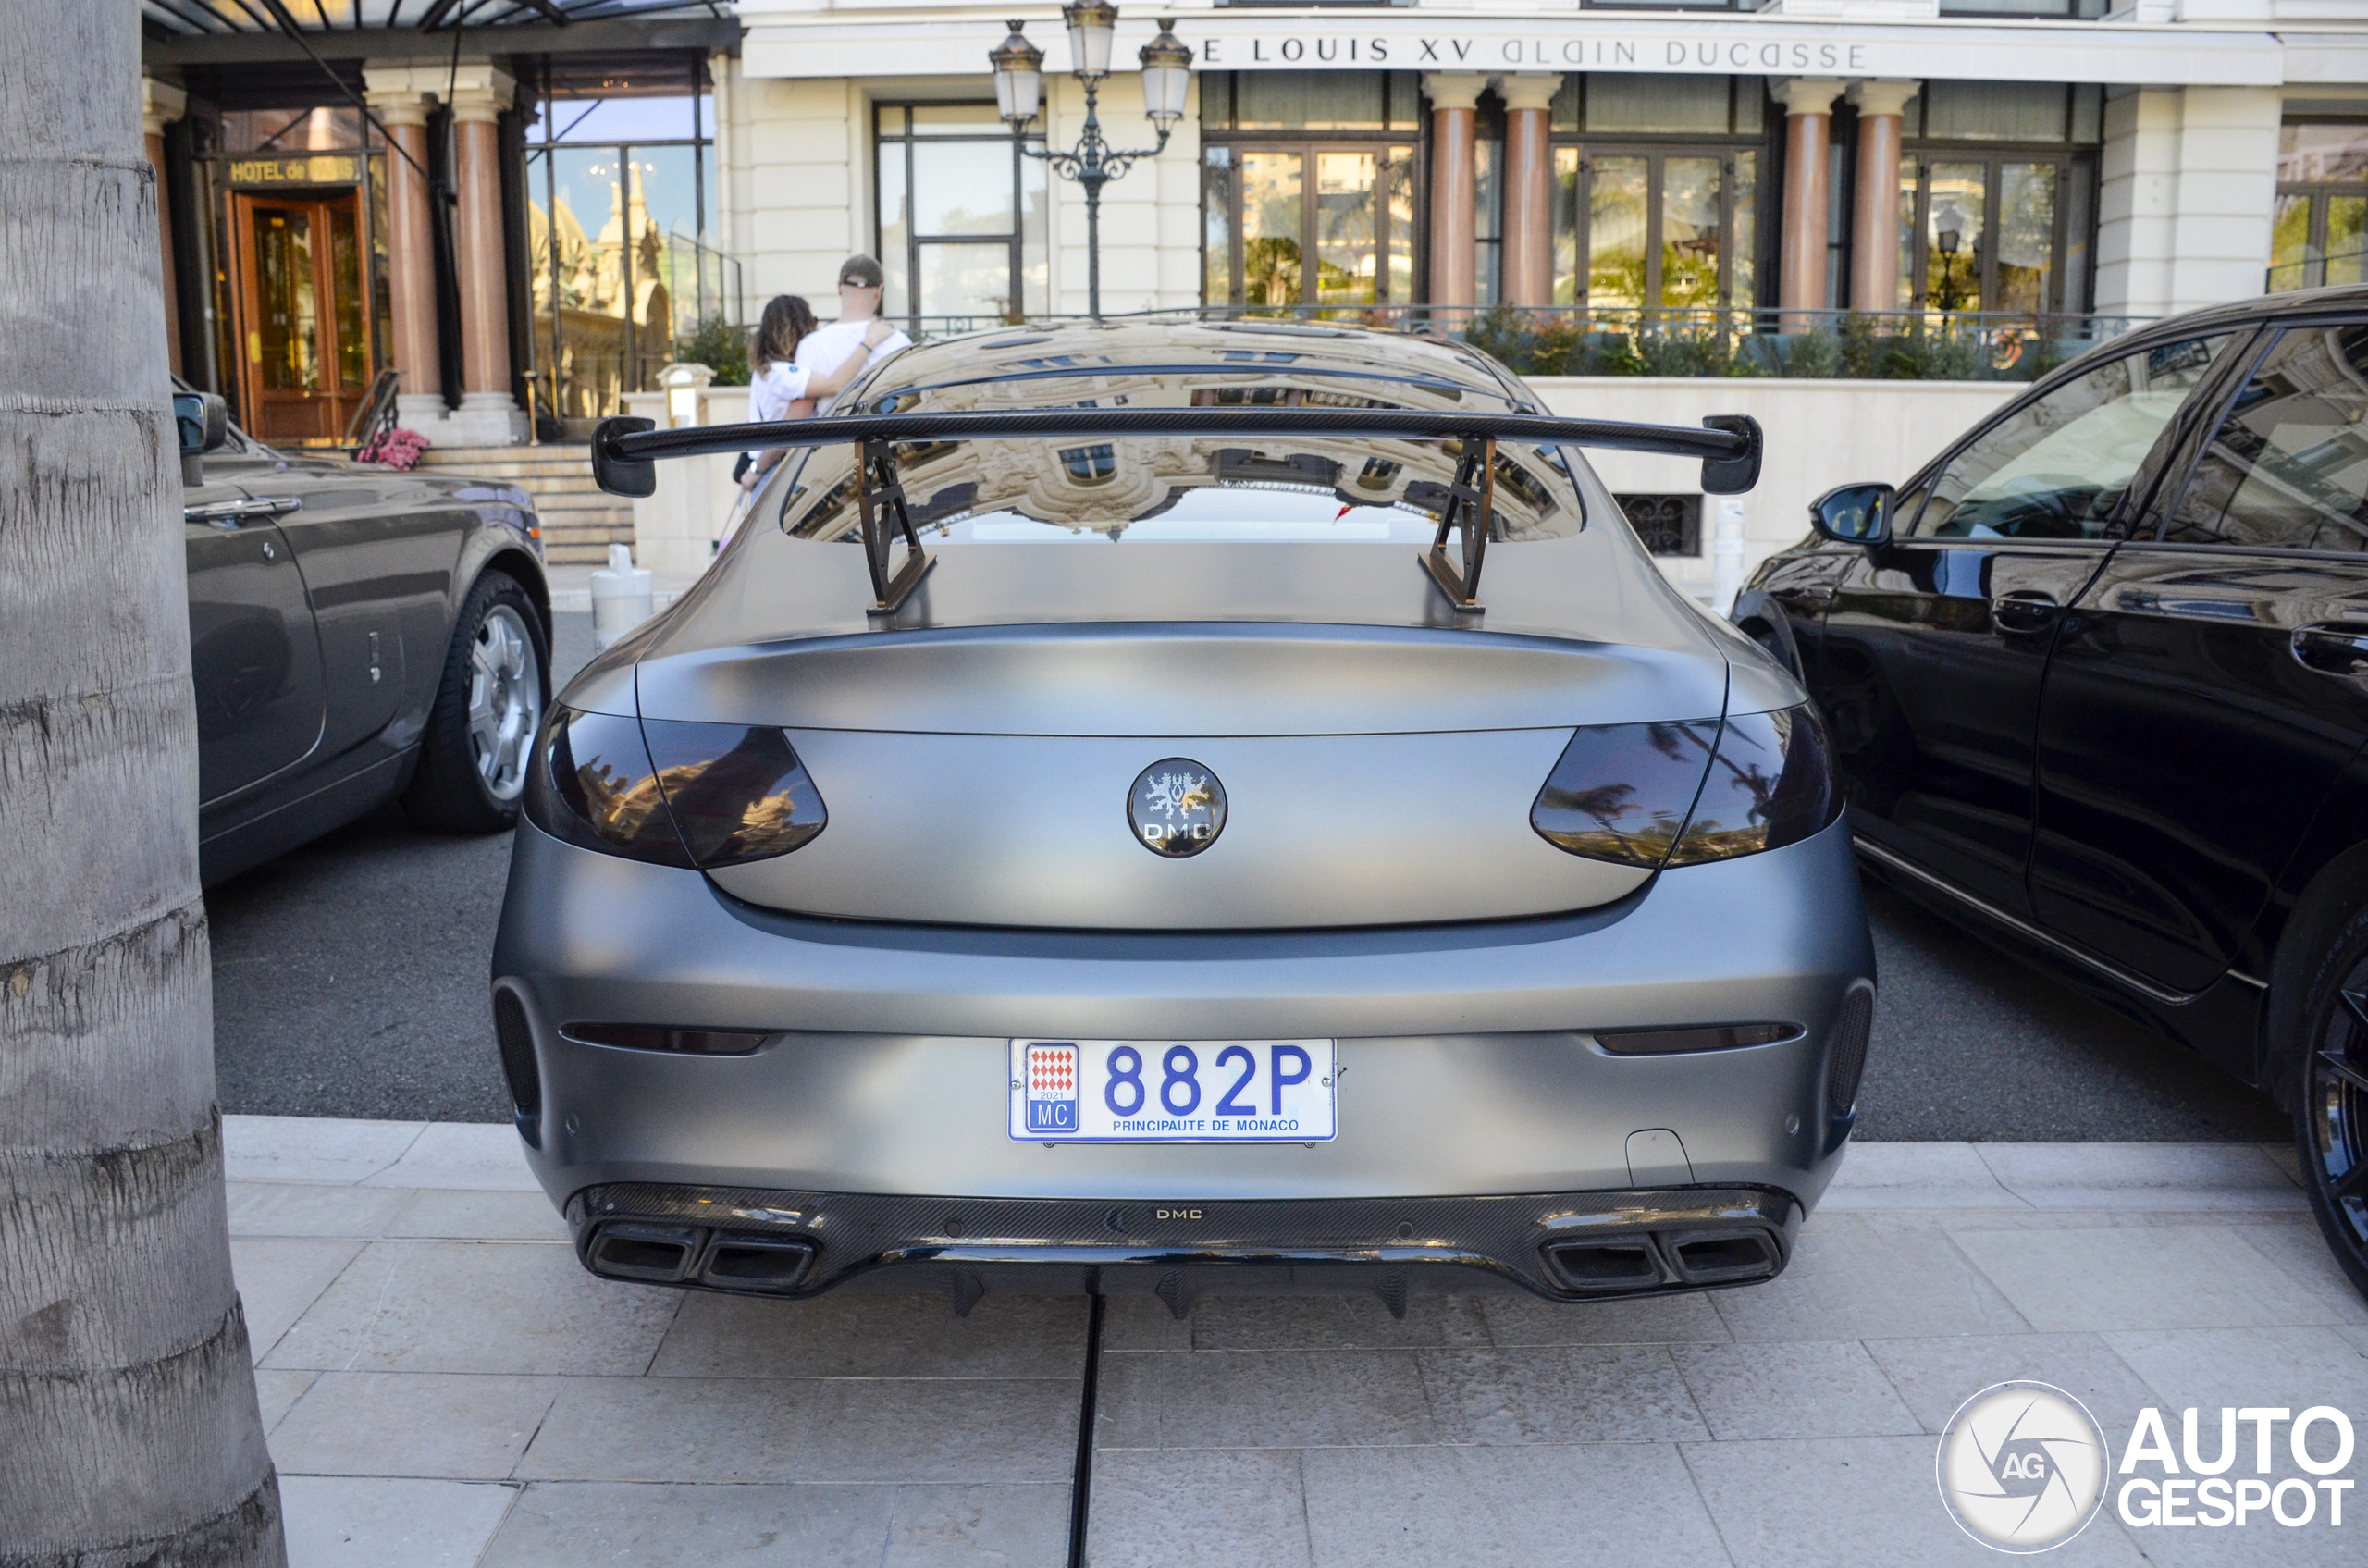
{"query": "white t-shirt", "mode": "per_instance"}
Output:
(825, 349)
(773, 389)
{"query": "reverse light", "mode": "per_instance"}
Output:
(1685, 792)
(670, 792)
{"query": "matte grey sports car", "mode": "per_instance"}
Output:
(1098, 827)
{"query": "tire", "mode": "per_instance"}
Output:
(2327, 1069)
(489, 703)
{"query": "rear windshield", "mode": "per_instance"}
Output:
(1222, 488)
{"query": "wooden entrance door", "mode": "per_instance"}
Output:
(307, 362)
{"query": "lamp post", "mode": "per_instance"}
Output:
(1092, 163)
(1947, 237)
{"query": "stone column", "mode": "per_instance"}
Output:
(1874, 210)
(401, 106)
(161, 102)
(1809, 134)
(487, 406)
(1455, 176)
(1529, 190)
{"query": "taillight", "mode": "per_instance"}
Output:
(1682, 793)
(1770, 784)
(669, 792)
(1621, 792)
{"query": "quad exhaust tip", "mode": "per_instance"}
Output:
(1658, 1261)
(666, 1255)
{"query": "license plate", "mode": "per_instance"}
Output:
(1171, 1090)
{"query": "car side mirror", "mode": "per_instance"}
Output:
(1854, 515)
(204, 421)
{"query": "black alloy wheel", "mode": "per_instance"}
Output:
(490, 704)
(2331, 1099)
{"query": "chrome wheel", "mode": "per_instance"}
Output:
(505, 702)
(2334, 1105)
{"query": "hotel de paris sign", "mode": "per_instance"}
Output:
(824, 44)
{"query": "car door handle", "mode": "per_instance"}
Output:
(2332, 648)
(2023, 610)
(245, 509)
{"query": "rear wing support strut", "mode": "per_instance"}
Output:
(880, 496)
(1471, 501)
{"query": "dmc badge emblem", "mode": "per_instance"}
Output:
(1177, 807)
(2023, 1467)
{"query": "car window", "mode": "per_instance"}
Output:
(2288, 465)
(2059, 466)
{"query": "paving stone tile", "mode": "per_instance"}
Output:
(1902, 1175)
(1334, 1322)
(1793, 1390)
(1609, 1505)
(2213, 1368)
(611, 1524)
(1243, 1508)
(2122, 1176)
(464, 1215)
(1936, 1375)
(2261, 1543)
(2186, 1277)
(883, 1336)
(1142, 1323)
(477, 1306)
(1262, 1399)
(953, 1430)
(1851, 1278)
(1647, 1320)
(347, 1522)
(483, 1157)
(1559, 1394)
(280, 1209)
(954, 1526)
(1857, 1503)
(334, 1150)
(278, 1280)
(450, 1425)
(2299, 1251)
(277, 1391)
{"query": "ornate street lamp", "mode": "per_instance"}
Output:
(1092, 163)
(1947, 237)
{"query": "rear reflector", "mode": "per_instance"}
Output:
(1605, 1266)
(1693, 1037)
(657, 1037)
(661, 1255)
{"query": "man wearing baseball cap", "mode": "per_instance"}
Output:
(825, 349)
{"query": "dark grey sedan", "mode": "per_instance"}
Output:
(356, 635)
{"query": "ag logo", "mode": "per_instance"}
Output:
(2022, 1467)
(1177, 807)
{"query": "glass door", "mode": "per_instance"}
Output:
(1650, 229)
(1299, 225)
(306, 364)
(2000, 232)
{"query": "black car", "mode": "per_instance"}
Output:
(2098, 682)
(357, 634)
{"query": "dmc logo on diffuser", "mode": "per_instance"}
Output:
(2022, 1467)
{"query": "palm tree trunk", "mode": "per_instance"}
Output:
(128, 1432)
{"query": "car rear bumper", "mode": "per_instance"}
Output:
(1579, 1246)
(1468, 1068)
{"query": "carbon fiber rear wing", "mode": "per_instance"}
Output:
(626, 451)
